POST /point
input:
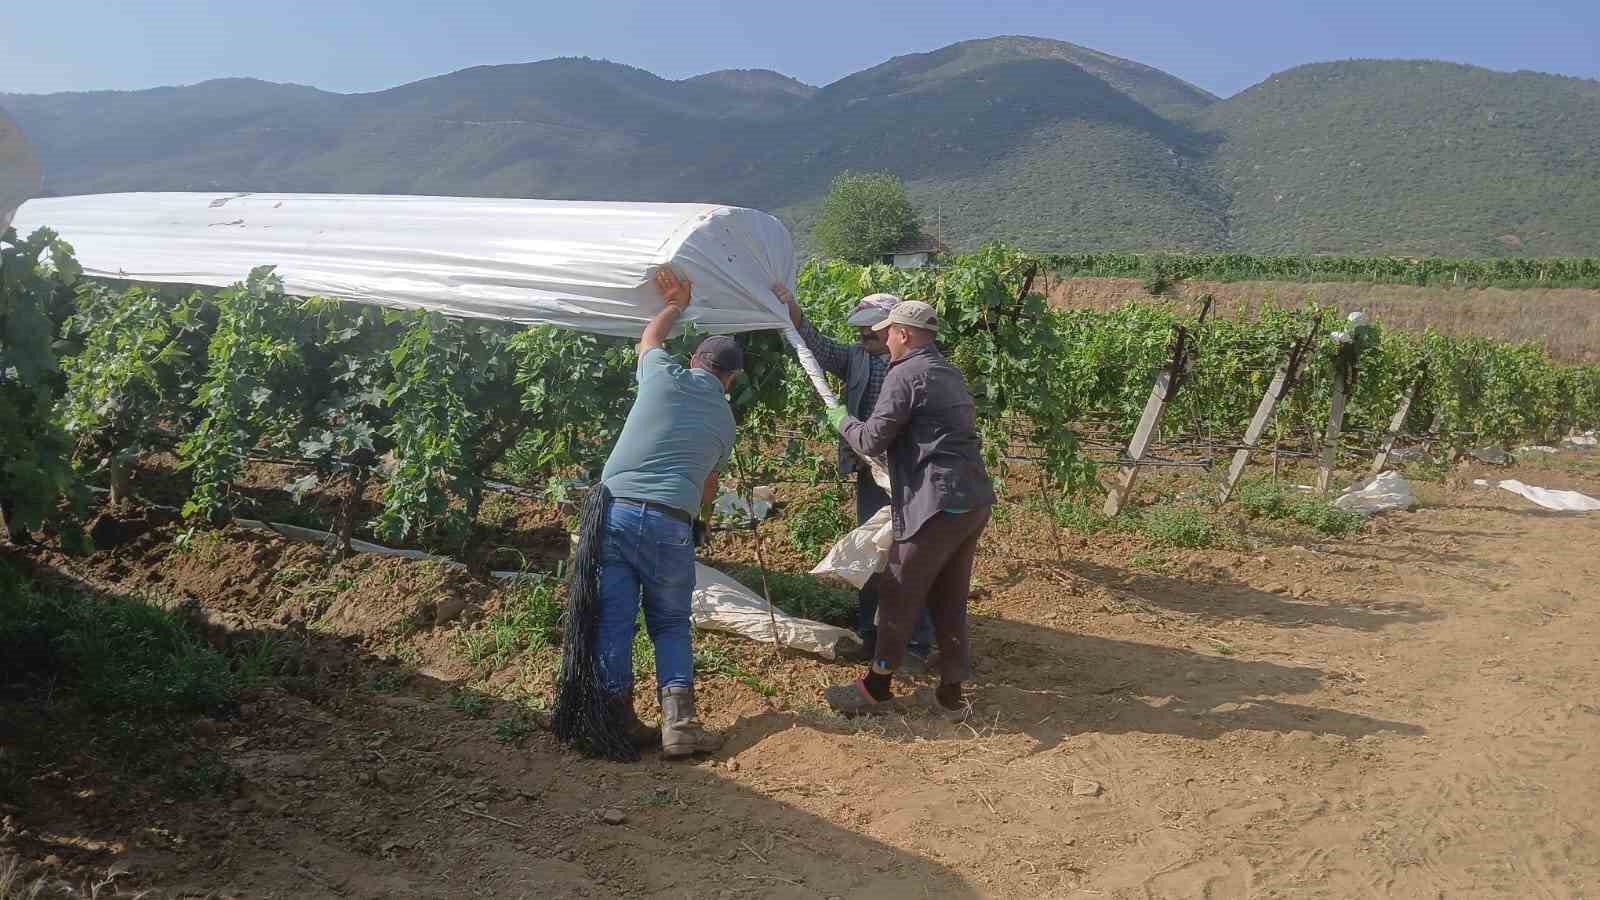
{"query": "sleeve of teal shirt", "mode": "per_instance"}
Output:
(655, 362)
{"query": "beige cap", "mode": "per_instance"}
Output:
(911, 313)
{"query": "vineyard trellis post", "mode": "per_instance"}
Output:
(352, 501)
(1161, 393)
(1330, 440)
(1282, 381)
(1399, 420)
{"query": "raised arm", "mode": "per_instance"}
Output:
(833, 356)
(675, 291)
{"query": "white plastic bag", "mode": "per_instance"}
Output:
(755, 509)
(862, 552)
(19, 170)
(1384, 492)
(1562, 501)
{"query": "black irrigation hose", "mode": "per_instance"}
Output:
(583, 717)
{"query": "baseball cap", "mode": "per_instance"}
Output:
(721, 352)
(872, 309)
(911, 313)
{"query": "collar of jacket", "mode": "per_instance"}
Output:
(920, 351)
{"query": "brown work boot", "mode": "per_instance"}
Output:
(681, 732)
(639, 734)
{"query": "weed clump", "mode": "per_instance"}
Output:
(1261, 498)
(1188, 527)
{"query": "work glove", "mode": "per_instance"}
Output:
(702, 534)
(835, 416)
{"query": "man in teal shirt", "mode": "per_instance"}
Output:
(662, 473)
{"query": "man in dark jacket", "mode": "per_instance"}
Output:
(861, 367)
(940, 495)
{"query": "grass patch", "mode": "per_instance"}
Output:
(469, 703)
(387, 680)
(710, 659)
(114, 653)
(529, 619)
(1077, 514)
(205, 545)
(512, 731)
(816, 523)
(1426, 469)
(1260, 498)
(498, 510)
(1148, 561)
(805, 596)
(111, 682)
(1185, 526)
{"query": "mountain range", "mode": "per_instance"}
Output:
(1041, 142)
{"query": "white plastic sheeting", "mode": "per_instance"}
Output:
(1381, 493)
(19, 169)
(722, 604)
(719, 603)
(1562, 501)
(574, 264)
(862, 552)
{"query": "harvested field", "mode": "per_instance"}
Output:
(1566, 321)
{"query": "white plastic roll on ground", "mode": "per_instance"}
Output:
(19, 169)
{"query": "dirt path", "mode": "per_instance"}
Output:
(1413, 713)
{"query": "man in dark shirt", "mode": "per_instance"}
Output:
(861, 367)
(940, 495)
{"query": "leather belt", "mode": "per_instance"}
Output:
(662, 508)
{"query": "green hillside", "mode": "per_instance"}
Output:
(1412, 158)
(1045, 143)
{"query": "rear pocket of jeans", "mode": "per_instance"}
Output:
(675, 563)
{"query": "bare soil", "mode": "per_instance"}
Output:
(1408, 712)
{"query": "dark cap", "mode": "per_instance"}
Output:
(720, 352)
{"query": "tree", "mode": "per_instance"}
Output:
(865, 216)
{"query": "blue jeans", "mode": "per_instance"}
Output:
(651, 552)
(869, 499)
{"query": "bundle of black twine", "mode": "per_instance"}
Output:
(583, 718)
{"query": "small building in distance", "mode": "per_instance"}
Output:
(915, 253)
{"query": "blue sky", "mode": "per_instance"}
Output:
(360, 46)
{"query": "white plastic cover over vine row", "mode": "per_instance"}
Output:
(580, 265)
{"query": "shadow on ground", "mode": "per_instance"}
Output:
(350, 776)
